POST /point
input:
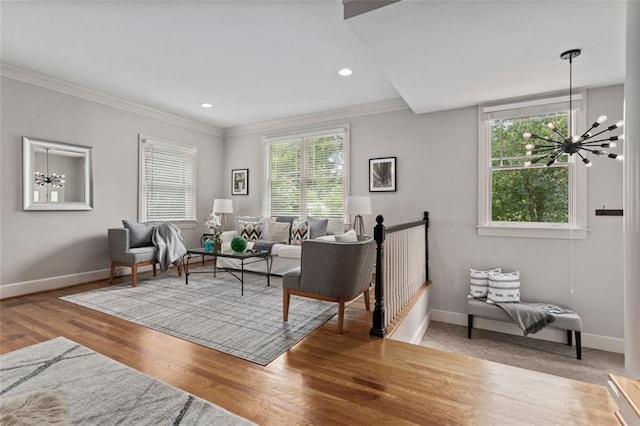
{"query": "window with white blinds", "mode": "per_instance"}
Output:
(167, 184)
(306, 174)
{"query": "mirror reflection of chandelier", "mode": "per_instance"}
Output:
(54, 180)
(550, 148)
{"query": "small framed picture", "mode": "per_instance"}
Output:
(240, 182)
(382, 174)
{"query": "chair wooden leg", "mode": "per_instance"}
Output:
(180, 269)
(154, 269)
(367, 300)
(111, 273)
(286, 296)
(340, 316)
(134, 274)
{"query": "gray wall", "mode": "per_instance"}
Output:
(37, 244)
(437, 171)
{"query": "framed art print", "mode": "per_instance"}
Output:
(382, 174)
(240, 182)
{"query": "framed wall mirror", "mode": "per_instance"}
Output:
(56, 175)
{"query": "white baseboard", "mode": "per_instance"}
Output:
(52, 283)
(593, 341)
(62, 281)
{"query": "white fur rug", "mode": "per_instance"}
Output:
(36, 408)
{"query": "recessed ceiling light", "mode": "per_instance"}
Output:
(206, 105)
(345, 72)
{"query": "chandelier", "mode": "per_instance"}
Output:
(550, 148)
(55, 180)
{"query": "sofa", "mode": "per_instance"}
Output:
(283, 236)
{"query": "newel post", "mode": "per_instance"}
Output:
(378, 328)
(426, 243)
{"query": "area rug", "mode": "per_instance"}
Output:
(97, 390)
(211, 312)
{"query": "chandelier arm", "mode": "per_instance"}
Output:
(584, 135)
(557, 132)
(533, 135)
(599, 133)
(537, 159)
(593, 151)
(599, 140)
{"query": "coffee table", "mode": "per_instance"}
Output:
(246, 258)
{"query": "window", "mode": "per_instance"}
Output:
(306, 175)
(534, 201)
(167, 182)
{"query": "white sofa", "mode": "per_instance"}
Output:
(284, 257)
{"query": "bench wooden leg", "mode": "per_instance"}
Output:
(469, 325)
(578, 345)
(569, 340)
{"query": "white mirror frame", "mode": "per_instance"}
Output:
(29, 146)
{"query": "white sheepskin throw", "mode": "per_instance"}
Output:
(36, 408)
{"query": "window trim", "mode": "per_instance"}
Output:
(577, 226)
(300, 134)
(142, 207)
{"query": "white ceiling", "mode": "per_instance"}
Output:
(265, 60)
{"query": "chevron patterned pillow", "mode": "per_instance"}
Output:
(250, 231)
(299, 232)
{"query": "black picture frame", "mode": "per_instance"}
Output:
(240, 182)
(382, 174)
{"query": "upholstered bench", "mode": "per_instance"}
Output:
(569, 322)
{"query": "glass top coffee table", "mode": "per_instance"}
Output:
(246, 258)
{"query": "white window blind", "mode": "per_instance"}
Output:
(306, 175)
(167, 181)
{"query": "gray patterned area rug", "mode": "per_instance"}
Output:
(96, 390)
(211, 312)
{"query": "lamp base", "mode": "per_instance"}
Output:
(358, 225)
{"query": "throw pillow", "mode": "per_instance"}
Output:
(289, 220)
(480, 283)
(504, 287)
(317, 227)
(299, 232)
(245, 219)
(140, 234)
(250, 231)
(348, 237)
(278, 232)
(335, 227)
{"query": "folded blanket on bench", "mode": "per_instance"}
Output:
(530, 317)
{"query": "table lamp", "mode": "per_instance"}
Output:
(222, 206)
(358, 206)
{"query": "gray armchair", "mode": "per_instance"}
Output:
(337, 272)
(122, 254)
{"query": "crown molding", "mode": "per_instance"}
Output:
(335, 114)
(37, 79)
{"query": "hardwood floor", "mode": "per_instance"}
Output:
(327, 378)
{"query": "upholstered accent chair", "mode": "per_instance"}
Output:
(332, 271)
(123, 253)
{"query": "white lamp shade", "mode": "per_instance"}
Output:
(358, 205)
(222, 205)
